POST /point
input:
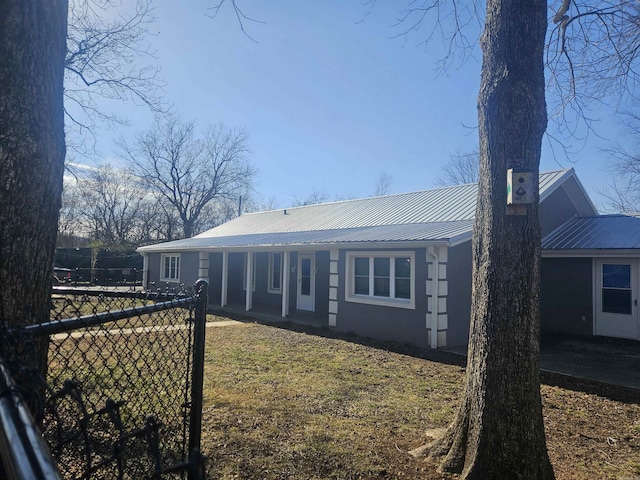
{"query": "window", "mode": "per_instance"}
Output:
(616, 289)
(275, 272)
(170, 268)
(381, 278)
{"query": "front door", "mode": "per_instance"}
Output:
(306, 282)
(617, 298)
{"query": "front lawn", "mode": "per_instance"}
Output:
(287, 404)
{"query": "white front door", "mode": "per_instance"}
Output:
(306, 282)
(617, 298)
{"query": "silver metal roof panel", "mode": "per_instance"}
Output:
(407, 233)
(606, 232)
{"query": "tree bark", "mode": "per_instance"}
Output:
(499, 431)
(32, 151)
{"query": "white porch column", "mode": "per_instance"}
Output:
(437, 291)
(286, 275)
(225, 279)
(249, 298)
(145, 269)
(334, 282)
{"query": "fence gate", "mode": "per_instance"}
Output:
(122, 395)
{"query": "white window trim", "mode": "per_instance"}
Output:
(270, 287)
(351, 296)
(163, 258)
(244, 273)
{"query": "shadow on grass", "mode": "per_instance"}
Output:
(613, 392)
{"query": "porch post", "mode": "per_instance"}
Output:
(225, 279)
(249, 298)
(145, 270)
(286, 274)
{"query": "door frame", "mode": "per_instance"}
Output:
(599, 317)
(302, 303)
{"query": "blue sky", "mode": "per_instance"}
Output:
(329, 102)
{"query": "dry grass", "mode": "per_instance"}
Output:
(286, 404)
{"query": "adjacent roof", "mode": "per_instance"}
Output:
(604, 232)
(441, 214)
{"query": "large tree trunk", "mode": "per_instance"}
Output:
(32, 150)
(499, 430)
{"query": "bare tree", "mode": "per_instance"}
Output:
(383, 184)
(591, 56)
(191, 172)
(70, 221)
(108, 59)
(114, 204)
(216, 213)
(462, 168)
(257, 203)
(109, 206)
(621, 196)
(316, 196)
(623, 193)
(32, 151)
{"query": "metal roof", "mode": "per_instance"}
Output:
(440, 231)
(437, 214)
(606, 232)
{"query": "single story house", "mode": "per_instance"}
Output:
(398, 267)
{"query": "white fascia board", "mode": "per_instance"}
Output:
(293, 247)
(312, 247)
(584, 191)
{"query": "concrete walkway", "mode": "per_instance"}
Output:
(600, 359)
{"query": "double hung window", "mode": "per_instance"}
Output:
(170, 268)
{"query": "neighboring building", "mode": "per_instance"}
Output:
(396, 267)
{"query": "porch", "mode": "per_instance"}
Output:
(271, 314)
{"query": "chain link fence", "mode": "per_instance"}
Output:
(122, 395)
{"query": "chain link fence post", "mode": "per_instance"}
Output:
(196, 459)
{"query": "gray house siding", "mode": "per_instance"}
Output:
(556, 209)
(382, 322)
(235, 288)
(153, 269)
(566, 296)
(189, 263)
(322, 283)
(215, 278)
(261, 295)
(459, 268)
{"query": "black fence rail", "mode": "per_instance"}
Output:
(79, 277)
(122, 394)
